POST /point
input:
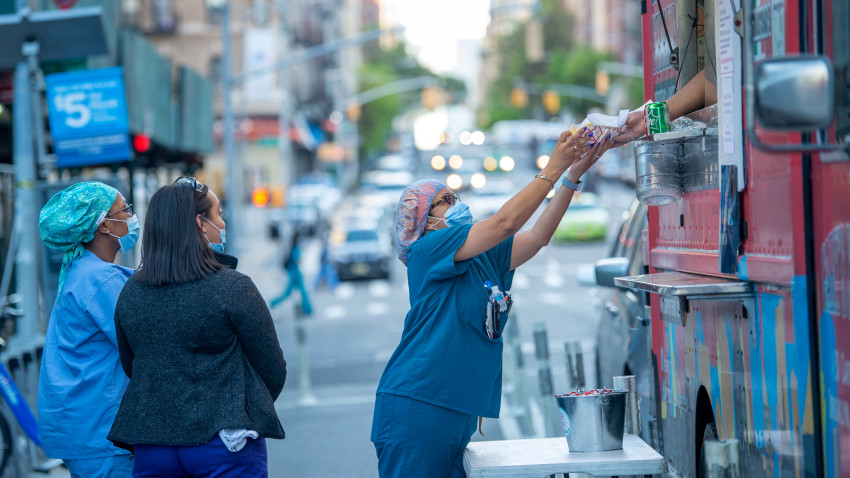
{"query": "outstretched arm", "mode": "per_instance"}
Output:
(528, 243)
(487, 234)
(690, 98)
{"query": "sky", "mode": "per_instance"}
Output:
(433, 27)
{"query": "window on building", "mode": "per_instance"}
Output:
(215, 69)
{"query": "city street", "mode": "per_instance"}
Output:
(356, 327)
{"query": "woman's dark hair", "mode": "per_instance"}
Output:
(174, 249)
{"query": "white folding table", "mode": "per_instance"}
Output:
(544, 457)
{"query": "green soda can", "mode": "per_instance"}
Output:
(657, 118)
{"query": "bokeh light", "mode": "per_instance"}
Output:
(455, 161)
(507, 163)
(542, 161)
(454, 181)
(438, 162)
(490, 163)
(465, 138)
(478, 138)
(478, 180)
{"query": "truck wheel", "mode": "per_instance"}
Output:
(709, 433)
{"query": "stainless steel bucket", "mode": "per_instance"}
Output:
(593, 422)
(657, 172)
(700, 169)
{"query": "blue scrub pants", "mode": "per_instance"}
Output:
(210, 460)
(116, 466)
(417, 439)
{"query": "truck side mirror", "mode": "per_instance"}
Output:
(609, 268)
(794, 93)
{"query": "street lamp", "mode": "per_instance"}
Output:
(232, 185)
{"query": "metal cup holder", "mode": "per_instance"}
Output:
(669, 164)
(700, 168)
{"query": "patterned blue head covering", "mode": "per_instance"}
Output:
(71, 218)
(412, 212)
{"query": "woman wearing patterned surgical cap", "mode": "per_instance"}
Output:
(81, 381)
(447, 369)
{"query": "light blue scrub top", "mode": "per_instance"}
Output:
(82, 382)
(445, 357)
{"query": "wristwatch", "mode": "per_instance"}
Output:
(569, 184)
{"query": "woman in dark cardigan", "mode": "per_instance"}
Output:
(199, 346)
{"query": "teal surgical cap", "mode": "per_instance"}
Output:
(70, 219)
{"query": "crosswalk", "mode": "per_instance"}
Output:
(543, 279)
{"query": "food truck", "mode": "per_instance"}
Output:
(748, 239)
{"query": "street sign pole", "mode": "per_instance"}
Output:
(233, 176)
(288, 169)
(26, 269)
(32, 37)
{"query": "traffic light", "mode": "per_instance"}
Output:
(430, 97)
(141, 143)
(354, 112)
(603, 82)
(519, 98)
(551, 102)
(260, 196)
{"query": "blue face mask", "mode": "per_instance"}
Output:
(456, 215)
(125, 243)
(221, 233)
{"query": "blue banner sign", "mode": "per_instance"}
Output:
(88, 117)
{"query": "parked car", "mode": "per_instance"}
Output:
(624, 342)
(585, 220)
(627, 164)
(361, 251)
(386, 186)
(305, 217)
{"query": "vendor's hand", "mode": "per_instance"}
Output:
(634, 128)
(569, 148)
(581, 166)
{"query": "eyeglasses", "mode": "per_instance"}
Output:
(128, 209)
(194, 183)
(449, 198)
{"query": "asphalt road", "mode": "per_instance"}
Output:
(356, 327)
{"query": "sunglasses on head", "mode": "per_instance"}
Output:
(449, 198)
(193, 183)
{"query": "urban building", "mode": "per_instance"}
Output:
(262, 33)
(608, 25)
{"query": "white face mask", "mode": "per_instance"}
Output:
(456, 215)
(126, 242)
(221, 234)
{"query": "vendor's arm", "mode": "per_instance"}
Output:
(486, 234)
(528, 243)
(696, 94)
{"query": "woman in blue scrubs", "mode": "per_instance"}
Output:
(447, 369)
(81, 381)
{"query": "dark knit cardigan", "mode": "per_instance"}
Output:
(201, 357)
